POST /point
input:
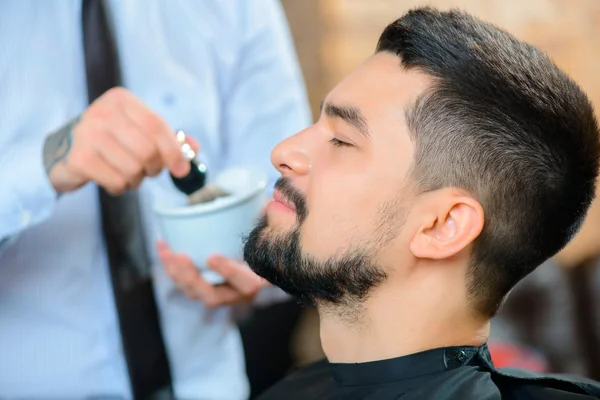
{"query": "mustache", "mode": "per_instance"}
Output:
(293, 195)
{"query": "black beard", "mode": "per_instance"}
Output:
(342, 280)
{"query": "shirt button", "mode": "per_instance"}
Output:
(461, 356)
(168, 99)
(25, 218)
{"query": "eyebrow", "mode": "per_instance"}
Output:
(350, 114)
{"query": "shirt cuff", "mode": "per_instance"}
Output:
(28, 196)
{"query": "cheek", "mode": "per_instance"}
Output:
(341, 214)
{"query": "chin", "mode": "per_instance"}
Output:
(268, 228)
(279, 223)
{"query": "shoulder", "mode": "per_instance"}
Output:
(309, 381)
(465, 383)
(477, 383)
(309, 373)
(523, 384)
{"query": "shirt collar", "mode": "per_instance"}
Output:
(409, 366)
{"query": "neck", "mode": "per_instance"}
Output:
(394, 321)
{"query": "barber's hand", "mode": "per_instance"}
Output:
(242, 284)
(116, 142)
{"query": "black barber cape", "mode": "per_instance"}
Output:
(460, 373)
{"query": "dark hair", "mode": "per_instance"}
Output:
(502, 122)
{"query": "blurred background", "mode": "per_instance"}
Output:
(334, 36)
(551, 321)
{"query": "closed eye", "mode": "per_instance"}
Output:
(339, 143)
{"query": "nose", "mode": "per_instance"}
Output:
(291, 156)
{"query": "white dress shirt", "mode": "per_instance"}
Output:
(225, 71)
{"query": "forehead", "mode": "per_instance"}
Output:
(380, 87)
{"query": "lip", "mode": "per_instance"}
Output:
(277, 197)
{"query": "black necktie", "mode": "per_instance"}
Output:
(142, 340)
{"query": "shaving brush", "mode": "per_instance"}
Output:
(194, 183)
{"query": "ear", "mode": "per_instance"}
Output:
(456, 221)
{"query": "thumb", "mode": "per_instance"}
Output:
(193, 143)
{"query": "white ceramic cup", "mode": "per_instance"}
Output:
(216, 227)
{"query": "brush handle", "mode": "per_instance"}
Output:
(193, 181)
(196, 178)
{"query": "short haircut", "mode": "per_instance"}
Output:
(502, 122)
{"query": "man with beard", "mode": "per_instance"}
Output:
(442, 171)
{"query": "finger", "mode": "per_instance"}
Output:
(171, 153)
(193, 143)
(110, 110)
(225, 295)
(179, 267)
(238, 275)
(121, 160)
(161, 135)
(161, 246)
(144, 150)
(181, 273)
(186, 276)
(94, 168)
(164, 252)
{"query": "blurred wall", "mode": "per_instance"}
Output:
(334, 36)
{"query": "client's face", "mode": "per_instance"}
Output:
(334, 230)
